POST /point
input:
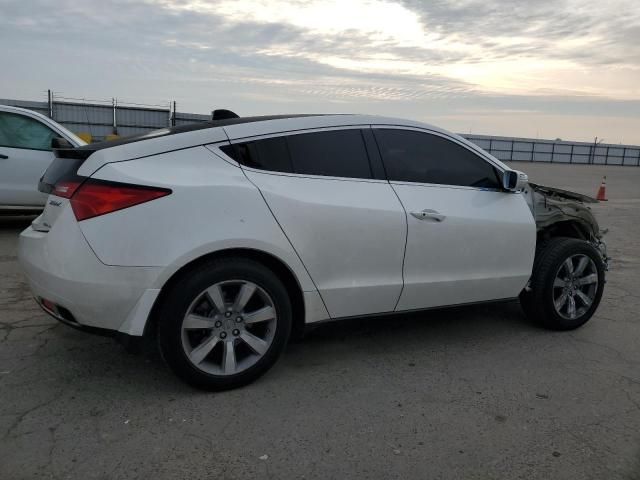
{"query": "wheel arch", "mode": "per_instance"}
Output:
(565, 228)
(275, 264)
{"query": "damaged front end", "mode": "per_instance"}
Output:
(563, 213)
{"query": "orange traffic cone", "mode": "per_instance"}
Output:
(602, 191)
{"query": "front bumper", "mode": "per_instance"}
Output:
(62, 270)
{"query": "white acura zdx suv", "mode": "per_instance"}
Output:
(225, 238)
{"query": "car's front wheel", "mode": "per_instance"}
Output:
(224, 323)
(566, 284)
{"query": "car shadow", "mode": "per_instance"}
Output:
(498, 317)
(354, 338)
(10, 222)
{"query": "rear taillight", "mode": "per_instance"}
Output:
(97, 197)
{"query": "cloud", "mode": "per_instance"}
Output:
(590, 30)
(416, 58)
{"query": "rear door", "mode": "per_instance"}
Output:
(468, 240)
(347, 226)
(25, 153)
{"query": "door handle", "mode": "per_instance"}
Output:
(429, 214)
(3, 156)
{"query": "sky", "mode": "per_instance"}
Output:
(565, 69)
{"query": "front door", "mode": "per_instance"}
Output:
(468, 240)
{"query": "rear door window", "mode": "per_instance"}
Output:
(336, 153)
(412, 156)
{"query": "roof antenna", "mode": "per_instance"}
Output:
(223, 114)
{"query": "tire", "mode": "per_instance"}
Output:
(526, 297)
(555, 285)
(211, 349)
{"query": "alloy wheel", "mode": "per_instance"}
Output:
(229, 327)
(575, 286)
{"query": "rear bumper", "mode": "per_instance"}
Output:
(131, 342)
(62, 269)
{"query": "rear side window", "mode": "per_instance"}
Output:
(412, 156)
(269, 154)
(337, 153)
(20, 131)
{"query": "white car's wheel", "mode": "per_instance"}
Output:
(566, 284)
(224, 323)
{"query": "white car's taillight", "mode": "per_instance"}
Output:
(98, 197)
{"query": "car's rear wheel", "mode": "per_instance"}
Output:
(566, 285)
(224, 323)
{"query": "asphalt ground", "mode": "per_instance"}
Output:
(466, 393)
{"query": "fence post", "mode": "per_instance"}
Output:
(606, 157)
(50, 103)
(533, 146)
(173, 116)
(114, 106)
(553, 151)
(592, 152)
(571, 154)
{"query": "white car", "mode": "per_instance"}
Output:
(25, 153)
(225, 238)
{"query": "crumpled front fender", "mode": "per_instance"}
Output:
(552, 206)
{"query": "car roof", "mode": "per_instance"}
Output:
(230, 129)
(191, 127)
(241, 127)
(236, 129)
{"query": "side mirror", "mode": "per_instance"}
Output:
(514, 180)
